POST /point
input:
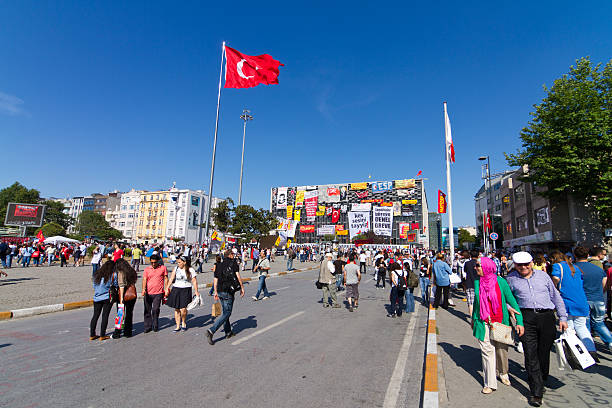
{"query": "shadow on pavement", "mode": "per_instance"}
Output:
(243, 324)
(6, 282)
(466, 357)
(5, 345)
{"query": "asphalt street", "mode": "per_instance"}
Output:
(288, 351)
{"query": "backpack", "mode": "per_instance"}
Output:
(229, 279)
(402, 284)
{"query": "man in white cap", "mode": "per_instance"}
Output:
(537, 298)
(328, 281)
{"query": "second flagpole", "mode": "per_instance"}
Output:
(451, 232)
(212, 166)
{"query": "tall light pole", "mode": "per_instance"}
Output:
(246, 117)
(489, 198)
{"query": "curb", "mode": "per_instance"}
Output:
(430, 383)
(60, 307)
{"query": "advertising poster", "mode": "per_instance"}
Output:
(25, 215)
(297, 214)
(441, 202)
(307, 229)
(383, 221)
(381, 186)
(359, 186)
(410, 183)
(299, 199)
(359, 223)
(281, 198)
(310, 202)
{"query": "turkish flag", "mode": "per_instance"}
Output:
(335, 215)
(246, 71)
(40, 236)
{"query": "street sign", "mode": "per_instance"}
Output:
(494, 236)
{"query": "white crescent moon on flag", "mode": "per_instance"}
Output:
(239, 69)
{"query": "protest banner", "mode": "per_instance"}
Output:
(410, 183)
(289, 212)
(381, 186)
(404, 227)
(297, 214)
(359, 186)
(299, 198)
(361, 207)
(383, 221)
(281, 198)
(397, 208)
(307, 229)
(291, 227)
(310, 202)
(326, 230)
(408, 202)
(359, 222)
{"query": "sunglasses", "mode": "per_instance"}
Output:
(519, 265)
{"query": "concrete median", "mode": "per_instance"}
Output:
(33, 311)
(78, 305)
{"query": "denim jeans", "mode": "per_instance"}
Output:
(339, 278)
(26, 261)
(397, 301)
(424, 284)
(94, 268)
(409, 295)
(227, 304)
(9, 260)
(598, 314)
(262, 286)
(290, 264)
(578, 323)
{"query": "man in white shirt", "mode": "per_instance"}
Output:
(362, 262)
(327, 280)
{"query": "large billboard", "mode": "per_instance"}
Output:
(24, 215)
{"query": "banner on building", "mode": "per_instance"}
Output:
(409, 202)
(320, 211)
(359, 186)
(289, 212)
(441, 202)
(281, 198)
(339, 227)
(362, 194)
(397, 209)
(344, 208)
(359, 222)
(310, 202)
(383, 221)
(372, 200)
(386, 204)
(291, 227)
(326, 230)
(406, 192)
(414, 225)
(361, 207)
(404, 227)
(381, 186)
(297, 214)
(333, 191)
(411, 237)
(299, 198)
(307, 229)
(343, 232)
(410, 183)
(335, 215)
(328, 211)
(343, 193)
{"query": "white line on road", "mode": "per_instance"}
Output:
(265, 329)
(397, 377)
(284, 287)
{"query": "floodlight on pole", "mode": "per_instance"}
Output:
(246, 117)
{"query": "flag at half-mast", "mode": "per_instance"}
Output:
(450, 148)
(246, 71)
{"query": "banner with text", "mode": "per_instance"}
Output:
(310, 202)
(383, 221)
(281, 198)
(359, 222)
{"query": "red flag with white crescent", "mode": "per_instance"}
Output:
(246, 71)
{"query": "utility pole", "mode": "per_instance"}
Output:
(246, 117)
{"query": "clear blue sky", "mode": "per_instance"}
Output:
(97, 96)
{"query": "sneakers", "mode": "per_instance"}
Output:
(102, 338)
(230, 335)
(535, 401)
(115, 336)
(266, 297)
(209, 336)
(254, 298)
(391, 315)
(519, 348)
(504, 379)
(94, 337)
(350, 308)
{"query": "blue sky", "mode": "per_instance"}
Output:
(97, 96)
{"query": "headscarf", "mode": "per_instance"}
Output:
(488, 289)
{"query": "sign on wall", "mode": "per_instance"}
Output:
(359, 222)
(381, 186)
(383, 221)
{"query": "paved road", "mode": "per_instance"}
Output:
(46, 285)
(461, 372)
(289, 351)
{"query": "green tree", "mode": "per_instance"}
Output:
(465, 237)
(93, 224)
(16, 193)
(222, 215)
(251, 223)
(568, 142)
(54, 213)
(52, 229)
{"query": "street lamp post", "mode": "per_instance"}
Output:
(246, 117)
(489, 198)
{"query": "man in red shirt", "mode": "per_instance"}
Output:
(154, 284)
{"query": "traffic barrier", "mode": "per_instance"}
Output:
(78, 305)
(430, 383)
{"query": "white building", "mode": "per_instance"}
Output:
(127, 214)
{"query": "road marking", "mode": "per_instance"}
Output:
(284, 287)
(265, 329)
(397, 377)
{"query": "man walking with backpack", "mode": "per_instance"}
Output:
(227, 281)
(290, 257)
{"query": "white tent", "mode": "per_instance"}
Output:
(59, 239)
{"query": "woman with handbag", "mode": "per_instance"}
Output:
(493, 303)
(102, 301)
(182, 279)
(126, 280)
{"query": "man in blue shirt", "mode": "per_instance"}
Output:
(594, 281)
(442, 272)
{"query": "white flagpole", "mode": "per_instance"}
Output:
(212, 166)
(451, 235)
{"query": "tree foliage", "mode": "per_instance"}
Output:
(54, 213)
(568, 142)
(251, 223)
(465, 237)
(52, 229)
(92, 224)
(222, 215)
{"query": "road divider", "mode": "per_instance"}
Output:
(430, 381)
(59, 307)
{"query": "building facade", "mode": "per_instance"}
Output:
(123, 215)
(533, 222)
(489, 199)
(322, 211)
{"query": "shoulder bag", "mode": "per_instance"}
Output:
(129, 293)
(500, 333)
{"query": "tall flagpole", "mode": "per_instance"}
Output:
(212, 165)
(451, 235)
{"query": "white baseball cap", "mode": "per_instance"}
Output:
(522, 257)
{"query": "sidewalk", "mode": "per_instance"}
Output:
(44, 285)
(460, 372)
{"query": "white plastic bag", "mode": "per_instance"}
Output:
(577, 348)
(562, 360)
